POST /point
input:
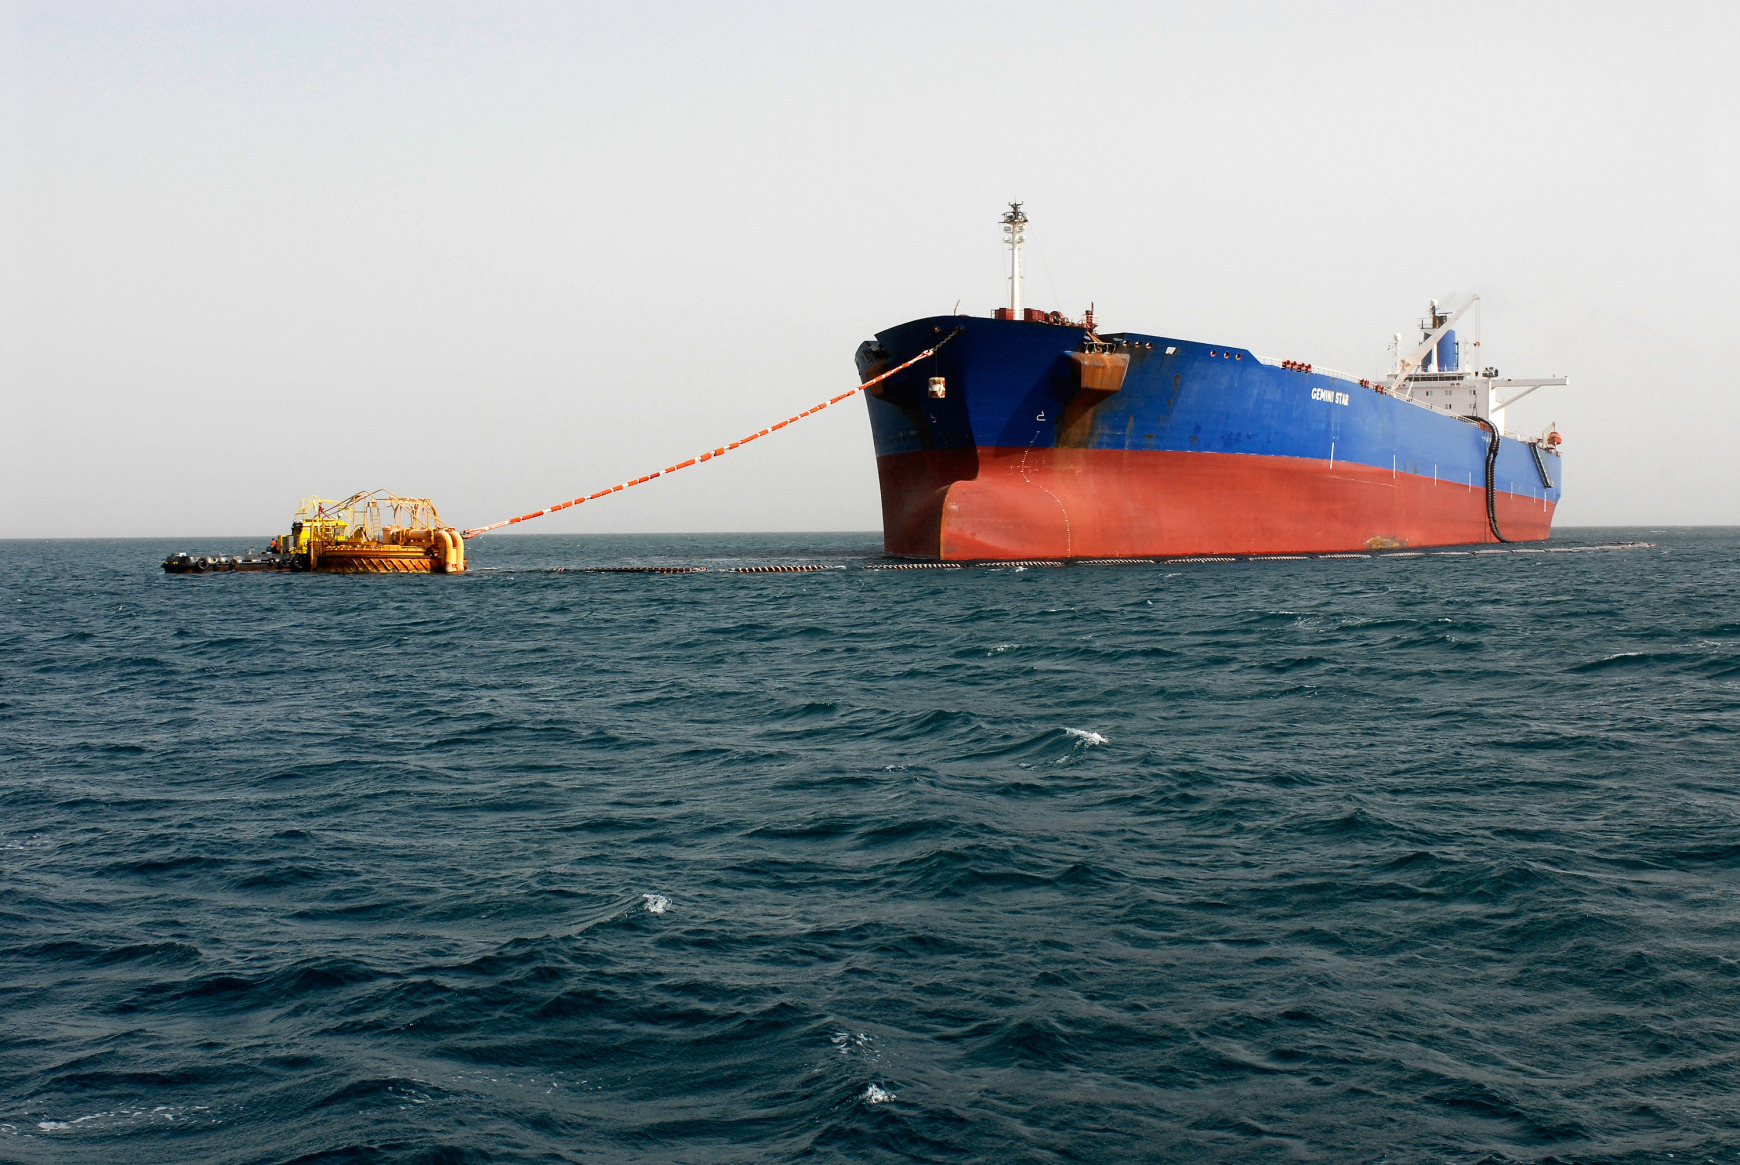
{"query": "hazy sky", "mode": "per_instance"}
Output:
(504, 254)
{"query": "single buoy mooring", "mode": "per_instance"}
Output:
(367, 533)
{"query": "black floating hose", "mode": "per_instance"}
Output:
(1491, 464)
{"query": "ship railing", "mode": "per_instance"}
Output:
(1316, 370)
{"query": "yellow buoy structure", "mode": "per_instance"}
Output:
(374, 532)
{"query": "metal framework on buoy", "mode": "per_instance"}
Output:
(375, 532)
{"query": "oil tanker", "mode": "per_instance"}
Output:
(1032, 435)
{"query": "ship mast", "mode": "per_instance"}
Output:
(1014, 234)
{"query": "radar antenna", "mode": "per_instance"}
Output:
(1014, 234)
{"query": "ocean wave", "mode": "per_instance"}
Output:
(1436, 861)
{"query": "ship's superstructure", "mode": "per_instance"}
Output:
(1432, 374)
(1031, 435)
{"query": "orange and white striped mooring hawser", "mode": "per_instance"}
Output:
(707, 456)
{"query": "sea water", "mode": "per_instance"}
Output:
(1401, 859)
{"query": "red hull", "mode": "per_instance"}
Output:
(1114, 503)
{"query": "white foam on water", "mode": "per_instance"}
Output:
(876, 1094)
(846, 1041)
(56, 1126)
(1086, 736)
(1002, 647)
(132, 1115)
(656, 903)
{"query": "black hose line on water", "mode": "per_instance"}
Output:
(1491, 464)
